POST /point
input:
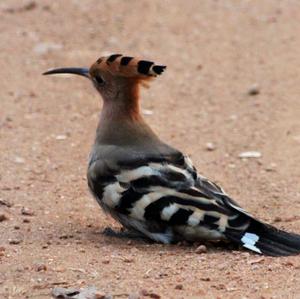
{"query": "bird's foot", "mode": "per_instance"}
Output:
(125, 234)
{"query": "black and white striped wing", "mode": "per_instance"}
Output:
(166, 200)
(166, 197)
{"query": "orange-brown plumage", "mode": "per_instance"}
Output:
(127, 66)
(123, 76)
(118, 78)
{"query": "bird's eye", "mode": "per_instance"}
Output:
(99, 79)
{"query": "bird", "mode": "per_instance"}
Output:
(152, 188)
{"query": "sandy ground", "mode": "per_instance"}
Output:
(216, 51)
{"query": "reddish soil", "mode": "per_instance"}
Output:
(216, 51)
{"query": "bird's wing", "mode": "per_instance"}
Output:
(164, 194)
(168, 190)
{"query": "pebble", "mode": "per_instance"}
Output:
(28, 6)
(150, 294)
(253, 90)
(271, 167)
(66, 236)
(201, 249)
(205, 278)
(6, 203)
(209, 146)
(250, 154)
(19, 160)
(147, 112)
(128, 260)
(134, 296)
(277, 219)
(15, 241)
(61, 137)
(179, 287)
(255, 261)
(41, 267)
(27, 212)
(2, 250)
(3, 217)
(233, 117)
(44, 48)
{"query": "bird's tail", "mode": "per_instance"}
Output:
(264, 238)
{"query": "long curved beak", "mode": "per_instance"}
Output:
(69, 70)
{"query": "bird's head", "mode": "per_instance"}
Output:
(116, 77)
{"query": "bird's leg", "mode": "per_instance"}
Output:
(125, 234)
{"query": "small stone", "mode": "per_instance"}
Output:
(61, 137)
(3, 217)
(44, 48)
(233, 117)
(6, 203)
(179, 287)
(253, 90)
(26, 220)
(255, 261)
(27, 212)
(128, 260)
(149, 294)
(15, 241)
(41, 267)
(19, 160)
(288, 263)
(17, 227)
(271, 167)
(277, 219)
(154, 296)
(201, 249)
(59, 269)
(66, 236)
(100, 295)
(209, 146)
(250, 154)
(147, 112)
(134, 296)
(30, 6)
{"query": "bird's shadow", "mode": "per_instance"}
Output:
(103, 236)
(124, 239)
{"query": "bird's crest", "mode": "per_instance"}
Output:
(126, 66)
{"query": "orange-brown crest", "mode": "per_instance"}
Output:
(126, 66)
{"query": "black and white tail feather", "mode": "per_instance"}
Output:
(266, 239)
(166, 200)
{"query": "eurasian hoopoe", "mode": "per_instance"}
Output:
(152, 188)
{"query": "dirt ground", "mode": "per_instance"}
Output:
(233, 80)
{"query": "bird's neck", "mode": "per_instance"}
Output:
(121, 122)
(123, 104)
